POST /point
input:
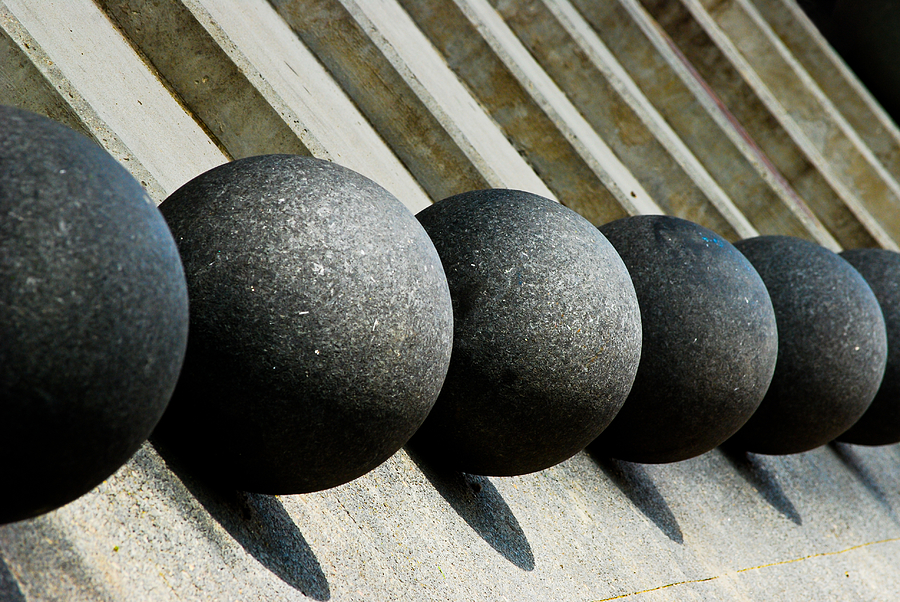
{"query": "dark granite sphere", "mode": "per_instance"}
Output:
(832, 347)
(321, 325)
(710, 341)
(93, 315)
(880, 425)
(546, 335)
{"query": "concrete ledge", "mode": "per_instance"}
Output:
(702, 121)
(255, 85)
(820, 525)
(578, 62)
(560, 145)
(29, 79)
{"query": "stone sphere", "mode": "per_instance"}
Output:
(710, 341)
(546, 337)
(321, 325)
(93, 314)
(880, 425)
(832, 346)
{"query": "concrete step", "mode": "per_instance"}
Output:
(766, 195)
(795, 30)
(56, 48)
(571, 157)
(783, 113)
(581, 65)
(257, 87)
(623, 114)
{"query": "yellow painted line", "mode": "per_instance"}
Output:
(752, 568)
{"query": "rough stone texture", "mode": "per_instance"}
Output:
(709, 342)
(93, 314)
(832, 347)
(880, 425)
(816, 526)
(321, 324)
(546, 335)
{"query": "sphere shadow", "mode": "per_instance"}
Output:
(636, 484)
(53, 566)
(849, 458)
(762, 480)
(477, 501)
(9, 586)
(261, 525)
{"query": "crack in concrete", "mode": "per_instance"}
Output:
(751, 568)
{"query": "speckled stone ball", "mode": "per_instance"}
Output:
(93, 315)
(546, 339)
(880, 425)
(321, 325)
(832, 346)
(709, 343)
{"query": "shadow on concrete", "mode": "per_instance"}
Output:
(9, 586)
(263, 528)
(638, 487)
(760, 478)
(55, 568)
(848, 456)
(478, 502)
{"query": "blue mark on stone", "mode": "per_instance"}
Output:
(713, 240)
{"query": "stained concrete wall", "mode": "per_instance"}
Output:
(726, 113)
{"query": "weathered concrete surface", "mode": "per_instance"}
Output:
(257, 87)
(757, 109)
(571, 53)
(29, 79)
(410, 95)
(76, 39)
(572, 158)
(821, 525)
(767, 196)
(834, 77)
(800, 105)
